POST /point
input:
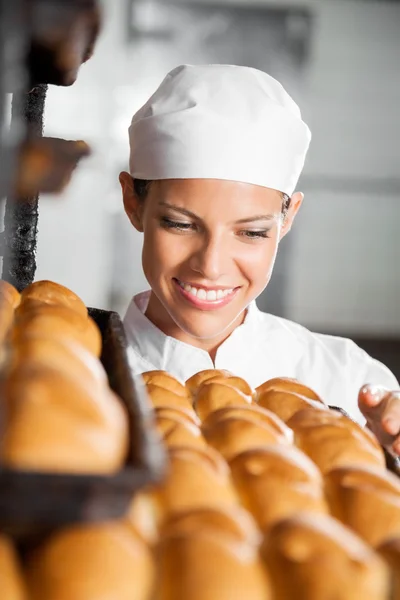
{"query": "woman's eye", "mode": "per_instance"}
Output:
(255, 235)
(170, 224)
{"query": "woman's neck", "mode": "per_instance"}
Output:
(159, 316)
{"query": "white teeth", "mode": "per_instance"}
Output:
(202, 294)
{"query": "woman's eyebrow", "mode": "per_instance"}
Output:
(269, 217)
(183, 211)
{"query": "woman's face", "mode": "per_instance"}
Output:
(209, 249)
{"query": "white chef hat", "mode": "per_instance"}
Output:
(220, 122)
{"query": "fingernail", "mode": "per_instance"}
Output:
(376, 392)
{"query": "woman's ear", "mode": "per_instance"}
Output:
(133, 206)
(295, 203)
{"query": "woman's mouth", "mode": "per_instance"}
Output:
(205, 299)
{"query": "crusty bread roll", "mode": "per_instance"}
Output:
(344, 442)
(55, 423)
(314, 557)
(232, 436)
(160, 397)
(277, 482)
(9, 300)
(213, 396)
(367, 500)
(236, 382)
(166, 381)
(12, 584)
(232, 521)
(198, 477)
(286, 384)
(209, 566)
(252, 412)
(177, 432)
(390, 551)
(194, 382)
(49, 292)
(64, 355)
(90, 562)
(58, 322)
(172, 412)
(286, 404)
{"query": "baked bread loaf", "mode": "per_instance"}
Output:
(314, 557)
(277, 482)
(12, 584)
(91, 562)
(210, 566)
(161, 397)
(9, 300)
(390, 551)
(232, 521)
(367, 500)
(236, 382)
(252, 412)
(55, 423)
(58, 322)
(344, 442)
(49, 292)
(177, 432)
(165, 380)
(194, 382)
(232, 436)
(286, 404)
(286, 384)
(173, 412)
(213, 396)
(197, 478)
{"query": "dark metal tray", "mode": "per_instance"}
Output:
(32, 504)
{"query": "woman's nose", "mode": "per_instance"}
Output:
(211, 259)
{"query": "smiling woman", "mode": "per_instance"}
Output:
(216, 154)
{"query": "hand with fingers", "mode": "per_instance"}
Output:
(381, 408)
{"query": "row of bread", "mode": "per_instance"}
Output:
(58, 412)
(312, 481)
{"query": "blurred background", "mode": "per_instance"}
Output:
(339, 270)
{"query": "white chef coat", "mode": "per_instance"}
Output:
(264, 346)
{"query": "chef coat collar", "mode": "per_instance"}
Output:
(165, 352)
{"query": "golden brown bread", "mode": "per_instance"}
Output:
(277, 482)
(236, 382)
(143, 516)
(209, 566)
(56, 321)
(286, 404)
(63, 354)
(9, 300)
(314, 557)
(49, 292)
(390, 551)
(213, 396)
(367, 500)
(252, 412)
(232, 521)
(173, 412)
(160, 397)
(344, 442)
(286, 384)
(90, 562)
(166, 381)
(194, 382)
(12, 584)
(178, 432)
(232, 436)
(55, 423)
(198, 477)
